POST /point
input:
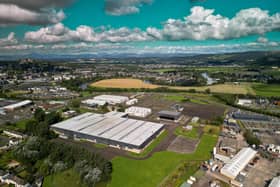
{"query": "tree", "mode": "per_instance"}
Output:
(75, 103)
(208, 91)
(251, 138)
(39, 114)
(52, 118)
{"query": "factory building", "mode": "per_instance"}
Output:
(245, 102)
(131, 102)
(18, 105)
(112, 99)
(112, 129)
(94, 102)
(138, 111)
(238, 162)
(169, 115)
(251, 117)
(275, 182)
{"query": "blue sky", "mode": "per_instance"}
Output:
(138, 26)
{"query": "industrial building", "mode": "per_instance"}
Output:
(112, 99)
(94, 102)
(18, 105)
(131, 102)
(238, 162)
(169, 115)
(138, 111)
(250, 117)
(275, 182)
(245, 102)
(111, 128)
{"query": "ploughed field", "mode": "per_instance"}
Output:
(137, 83)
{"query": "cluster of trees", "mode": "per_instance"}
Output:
(43, 158)
(251, 139)
(75, 84)
(40, 125)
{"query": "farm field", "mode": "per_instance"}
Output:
(137, 83)
(123, 83)
(151, 172)
(267, 90)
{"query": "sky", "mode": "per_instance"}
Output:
(139, 27)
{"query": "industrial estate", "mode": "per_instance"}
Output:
(79, 124)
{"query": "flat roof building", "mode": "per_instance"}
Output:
(250, 117)
(94, 102)
(245, 102)
(112, 99)
(138, 111)
(112, 129)
(15, 106)
(169, 115)
(275, 182)
(238, 162)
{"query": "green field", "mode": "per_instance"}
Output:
(67, 178)
(151, 172)
(267, 90)
(176, 98)
(163, 70)
(193, 134)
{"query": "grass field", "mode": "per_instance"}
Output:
(67, 178)
(152, 171)
(193, 134)
(267, 90)
(136, 83)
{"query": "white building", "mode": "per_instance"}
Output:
(131, 102)
(238, 162)
(112, 99)
(195, 119)
(15, 106)
(138, 111)
(94, 102)
(245, 102)
(275, 182)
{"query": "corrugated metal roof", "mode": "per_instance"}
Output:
(116, 128)
(238, 162)
(275, 182)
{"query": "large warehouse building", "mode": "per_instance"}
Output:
(112, 99)
(18, 105)
(238, 162)
(112, 129)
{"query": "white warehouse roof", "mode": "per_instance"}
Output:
(17, 105)
(138, 111)
(245, 102)
(275, 182)
(238, 162)
(94, 102)
(112, 99)
(110, 127)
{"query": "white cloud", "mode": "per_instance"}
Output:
(60, 33)
(262, 40)
(203, 24)
(9, 40)
(11, 14)
(38, 4)
(124, 7)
